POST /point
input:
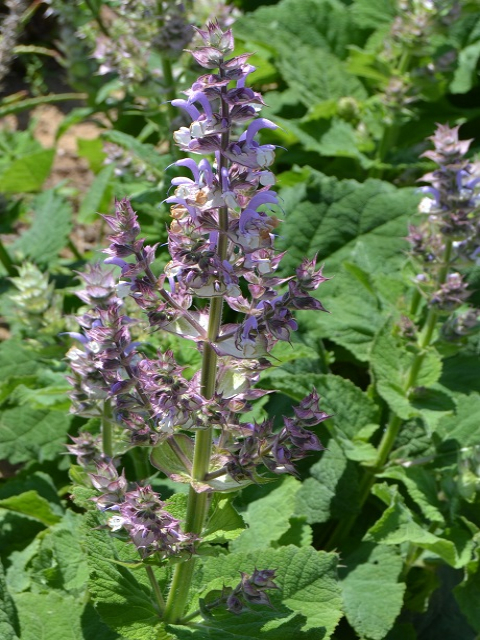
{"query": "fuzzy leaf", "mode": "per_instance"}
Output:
(322, 24)
(350, 407)
(307, 584)
(224, 522)
(371, 577)
(421, 487)
(463, 427)
(33, 505)
(392, 364)
(268, 518)
(32, 434)
(122, 602)
(398, 525)
(319, 83)
(332, 490)
(467, 594)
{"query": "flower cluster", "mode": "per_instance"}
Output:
(141, 513)
(450, 236)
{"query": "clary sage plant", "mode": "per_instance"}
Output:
(220, 291)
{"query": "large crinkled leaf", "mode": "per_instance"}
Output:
(308, 587)
(329, 80)
(60, 561)
(364, 223)
(53, 616)
(31, 504)
(268, 518)
(398, 525)
(332, 489)
(350, 407)
(322, 24)
(32, 434)
(224, 522)
(121, 600)
(49, 232)
(9, 626)
(372, 593)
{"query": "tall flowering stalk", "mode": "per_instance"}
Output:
(221, 242)
(447, 239)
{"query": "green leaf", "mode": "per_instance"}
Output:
(323, 24)
(308, 586)
(61, 562)
(466, 75)
(422, 488)
(463, 427)
(345, 221)
(97, 199)
(467, 594)
(372, 593)
(49, 615)
(17, 364)
(268, 518)
(122, 602)
(350, 407)
(49, 232)
(9, 626)
(370, 14)
(398, 525)
(332, 490)
(224, 522)
(461, 374)
(27, 174)
(392, 365)
(327, 81)
(32, 434)
(32, 505)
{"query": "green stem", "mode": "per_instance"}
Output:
(7, 261)
(156, 589)
(197, 504)
(107, 429)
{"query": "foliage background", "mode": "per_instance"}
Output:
(356, 90)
